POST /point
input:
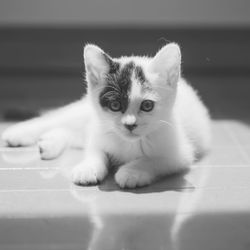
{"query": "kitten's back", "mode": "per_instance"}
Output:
(194, 117)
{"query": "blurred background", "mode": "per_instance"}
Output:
(41, 44)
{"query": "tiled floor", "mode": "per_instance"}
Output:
(206, 209)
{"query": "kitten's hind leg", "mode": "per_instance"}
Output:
(53, 143)
(28, 132)
(24, 133)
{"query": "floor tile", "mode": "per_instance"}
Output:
(206, 208)
(125, 219)
(220, 136)
(240, 131)
(29, 158)
(225, 156)
(31, 179)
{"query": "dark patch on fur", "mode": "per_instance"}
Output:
(113, 66)
(139, 74)
(118, 87)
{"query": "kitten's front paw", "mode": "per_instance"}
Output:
(49, 148)
(132, 177)
(52, 144)
(19, 135)
(89, 173)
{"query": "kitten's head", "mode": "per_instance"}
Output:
(133, 95)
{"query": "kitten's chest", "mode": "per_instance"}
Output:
(121, 150)
(125, 151)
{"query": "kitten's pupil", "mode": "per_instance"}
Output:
(147, 105)
(115, 106)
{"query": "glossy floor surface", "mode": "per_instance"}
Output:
(205, 209)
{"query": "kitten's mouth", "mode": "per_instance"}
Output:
(131, 135)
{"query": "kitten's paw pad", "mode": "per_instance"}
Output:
(18, 135)
(88, 174)
(132, 178)
(50, 148)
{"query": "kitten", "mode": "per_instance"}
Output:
(138, 114)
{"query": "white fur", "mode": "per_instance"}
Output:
(166, 140)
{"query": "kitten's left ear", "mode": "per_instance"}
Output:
(97, 63)
(167, 63)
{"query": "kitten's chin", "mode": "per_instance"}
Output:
(130, 136)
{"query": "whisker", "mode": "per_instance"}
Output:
(167, 123)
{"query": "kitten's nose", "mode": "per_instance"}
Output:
(130, 127)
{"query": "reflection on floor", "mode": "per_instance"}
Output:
(208, 208)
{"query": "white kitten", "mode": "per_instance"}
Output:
(138, 114)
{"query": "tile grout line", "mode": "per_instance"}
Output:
(28, 168)
(33, 190)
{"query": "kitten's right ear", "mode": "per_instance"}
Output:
(97, 63)
(167, 63)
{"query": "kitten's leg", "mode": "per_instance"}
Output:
(24, 133)
(52, 143)
(92, 169)
(143, 171)
(137, 173)
(28, 132)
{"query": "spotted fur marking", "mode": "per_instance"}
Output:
(119, 84)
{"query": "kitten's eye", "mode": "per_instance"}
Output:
(115, 106)
(147, 105)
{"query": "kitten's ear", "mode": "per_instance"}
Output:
(167, 63)
(97, 63)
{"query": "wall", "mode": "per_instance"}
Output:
(130, 12)
(41, 43)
